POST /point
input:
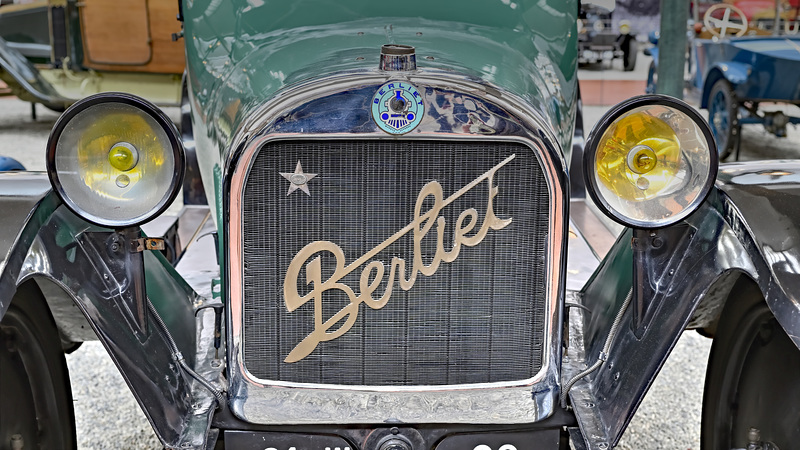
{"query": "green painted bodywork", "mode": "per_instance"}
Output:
(241, 53)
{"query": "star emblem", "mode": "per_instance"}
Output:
(298, 179)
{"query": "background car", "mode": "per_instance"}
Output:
(55, 53)
(735, 68)
(739, 70)
(599, 40)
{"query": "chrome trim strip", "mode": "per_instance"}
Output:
(524, 401)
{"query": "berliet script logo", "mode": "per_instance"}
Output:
(373, 272)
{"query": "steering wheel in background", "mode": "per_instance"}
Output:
(720, 27)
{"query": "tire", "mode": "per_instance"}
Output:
(753, 378)
(34, 381)
(723, 116)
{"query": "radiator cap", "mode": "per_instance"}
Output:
(398, 58)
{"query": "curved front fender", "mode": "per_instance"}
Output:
(113, 287)
(761, 200)
(682, 276)
(736, 73)
(25, 205)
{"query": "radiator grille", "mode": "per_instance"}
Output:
(478, 319)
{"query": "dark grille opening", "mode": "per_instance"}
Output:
(478, 319)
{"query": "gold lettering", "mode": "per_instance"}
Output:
(426, 221)
(372, 274)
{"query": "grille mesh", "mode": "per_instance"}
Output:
(479, 319)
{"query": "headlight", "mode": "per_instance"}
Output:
(650, 161)
(115, 160)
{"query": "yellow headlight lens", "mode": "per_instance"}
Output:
(109, 151)
(653, 164)
(116, 162)
(638, 156)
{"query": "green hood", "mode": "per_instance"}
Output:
(241, 53)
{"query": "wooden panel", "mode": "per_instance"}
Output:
(115, 31)
(159, 19)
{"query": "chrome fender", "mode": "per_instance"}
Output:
(736, 73)
(760, 202)
(680, 277)
(111, 286)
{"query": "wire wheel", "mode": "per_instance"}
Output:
(723, 117)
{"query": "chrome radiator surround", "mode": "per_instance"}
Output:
(276, 402)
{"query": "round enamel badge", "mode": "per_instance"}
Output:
(397, 107)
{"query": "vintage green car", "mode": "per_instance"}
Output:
(404, 254)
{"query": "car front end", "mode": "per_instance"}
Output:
(393, 263)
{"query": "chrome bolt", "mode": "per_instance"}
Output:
(395, 444)
(17, 443)
(754, 436)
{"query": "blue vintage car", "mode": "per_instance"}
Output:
(735, 75)
(403, 245)
(734, 67)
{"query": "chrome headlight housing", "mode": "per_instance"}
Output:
(650, 161)
(115, 160)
